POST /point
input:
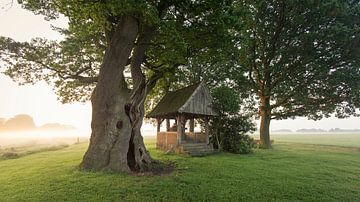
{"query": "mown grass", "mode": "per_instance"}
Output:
(289, 172)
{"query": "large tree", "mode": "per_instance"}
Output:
(300, 57)
(117, 50)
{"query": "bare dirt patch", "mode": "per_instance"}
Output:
(157, 168)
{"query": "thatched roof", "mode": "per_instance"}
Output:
(193, 100)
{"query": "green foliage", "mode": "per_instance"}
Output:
(225, 100)
(229, 134)
(292, 174)
(182, 29)
(228, 129)
(303, 55)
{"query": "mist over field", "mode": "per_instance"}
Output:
(51, 138)
(19, 138)
(20, 135)
(21, 130)
(48, 137)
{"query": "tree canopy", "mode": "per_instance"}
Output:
(301, 58)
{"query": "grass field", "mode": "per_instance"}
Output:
(292, 171)
(334, 139)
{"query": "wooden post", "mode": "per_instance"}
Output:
(184, 128)
(167, 125)
(206, 121)
(158, 124)
(180, 128)
(177, 120)
(159, 121)
(191, 129)
(192, 125)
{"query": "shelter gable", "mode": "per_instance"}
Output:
(200, 102)
(194, 100)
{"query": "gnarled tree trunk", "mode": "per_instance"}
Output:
(265, 114)
(116, 143)
(138, 157)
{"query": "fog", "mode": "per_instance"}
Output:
(50, 138)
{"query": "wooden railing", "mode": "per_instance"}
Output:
(169, 141)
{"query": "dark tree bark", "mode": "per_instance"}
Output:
(116, 143)
(265, 114)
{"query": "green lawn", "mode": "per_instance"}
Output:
(289, 172)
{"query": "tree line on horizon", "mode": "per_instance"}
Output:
(24, 122)
(318, 130)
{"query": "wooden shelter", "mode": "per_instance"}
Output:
(189, 103)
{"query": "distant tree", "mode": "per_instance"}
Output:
(117, 50)
(229, 129)
(20, 122)
(340, 130)
(301, 58)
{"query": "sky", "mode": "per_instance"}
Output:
(40, 101)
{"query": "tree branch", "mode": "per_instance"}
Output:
(65, 76)
(139, 54)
